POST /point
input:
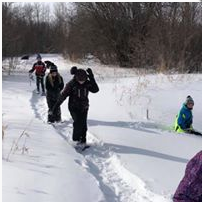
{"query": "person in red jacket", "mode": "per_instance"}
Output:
(40, 69)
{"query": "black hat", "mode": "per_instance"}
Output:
(188, 100)
(73, 70)
(38, 57)
(53, 68)
(81, 75)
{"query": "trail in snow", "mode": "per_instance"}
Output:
(116, 182)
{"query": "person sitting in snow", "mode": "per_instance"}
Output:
(54, 84)
(190, 188)
(40, 69)
(78, 89)
(184, 120)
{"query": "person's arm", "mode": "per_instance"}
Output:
(64, 94)
(182, 119)
(61, 86)
(47, 83)
(93, 87)
(33, 69)
(191, 121)
(44, 68)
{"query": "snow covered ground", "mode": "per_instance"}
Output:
(132, 158)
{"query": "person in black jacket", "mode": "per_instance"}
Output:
(54, 84)
(40, 69)
(78, 89)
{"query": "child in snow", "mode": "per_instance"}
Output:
(40, 69)
(184, 120)
(78, 89)
(54, 84)
(190, 188)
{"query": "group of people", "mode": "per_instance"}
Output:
(78, 88)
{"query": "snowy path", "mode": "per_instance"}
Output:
(48, 169)
(115, 181)
(114, 177)
(130, 159)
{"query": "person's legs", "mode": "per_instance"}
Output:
(37, 83)
(195, 132)
(50, 103)
(42, 84)
(83, 125)
(76, 126)
(57, 114)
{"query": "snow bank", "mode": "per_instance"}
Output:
(131, 158)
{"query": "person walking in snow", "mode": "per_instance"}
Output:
(54, 84)
(190, 188)
(184, 120)
(77, 90)
(40, 69)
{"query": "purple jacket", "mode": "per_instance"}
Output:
(190, 188)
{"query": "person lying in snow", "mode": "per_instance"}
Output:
(190, 188)
(78, 89)
(54, 84)
(184, 120)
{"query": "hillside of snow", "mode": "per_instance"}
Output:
(134, 155)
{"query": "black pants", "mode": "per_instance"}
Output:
(40, 80)
(79, 125)
(195, 133)
(57, 112)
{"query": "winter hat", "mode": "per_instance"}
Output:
(38, 56)
(81, 75)
(73, 70)
(53, 68)
(189, 99)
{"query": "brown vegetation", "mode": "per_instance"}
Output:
(158, 35)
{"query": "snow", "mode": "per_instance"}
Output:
(131, 158)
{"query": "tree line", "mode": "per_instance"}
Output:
(158, 35)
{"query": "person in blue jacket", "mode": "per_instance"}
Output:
(184, 120)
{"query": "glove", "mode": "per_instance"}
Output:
(50, 113)
(90, 73)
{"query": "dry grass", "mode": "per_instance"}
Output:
(16, 145)
(3, 131)
(19, 144)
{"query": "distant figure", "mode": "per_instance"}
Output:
(190, 188)
(184, 120)
(40, 69)
(78, 89)
(54, 84)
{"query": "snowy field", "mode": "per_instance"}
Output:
(134, 155)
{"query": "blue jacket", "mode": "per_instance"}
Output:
(185, 117)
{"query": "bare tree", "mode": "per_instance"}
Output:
(159, 35)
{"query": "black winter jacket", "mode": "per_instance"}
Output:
(78, 94)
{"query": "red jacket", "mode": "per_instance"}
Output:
(39, 68)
